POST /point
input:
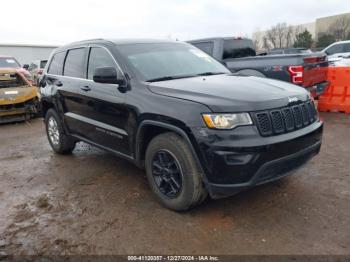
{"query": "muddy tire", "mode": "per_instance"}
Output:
(59, 141)
(173, 174)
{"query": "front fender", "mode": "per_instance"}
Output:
(190, 140)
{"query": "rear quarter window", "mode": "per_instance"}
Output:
(56, 65)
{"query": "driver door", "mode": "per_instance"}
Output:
(103, 108)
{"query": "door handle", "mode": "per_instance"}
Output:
(85, 88)
(58, 83)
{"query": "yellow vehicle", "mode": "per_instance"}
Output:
(19, 100)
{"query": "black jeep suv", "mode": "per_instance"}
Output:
(171, 108)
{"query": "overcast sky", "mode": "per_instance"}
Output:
(62, 21)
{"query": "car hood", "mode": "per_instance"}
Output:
(17, 95)
(231, 93)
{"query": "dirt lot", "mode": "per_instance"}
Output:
(92, 202)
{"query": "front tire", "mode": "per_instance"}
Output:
(173, 174)
(59, 141)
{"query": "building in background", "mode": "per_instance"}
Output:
(319, 27)
(323, 25)
(25, 54)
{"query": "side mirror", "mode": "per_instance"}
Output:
(107, 75)
(26, 66)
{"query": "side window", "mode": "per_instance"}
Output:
(74, 65)
(236, 48)
(346, 47)
(99, 57)
(206, 47)
(335, 49)
(56, 64)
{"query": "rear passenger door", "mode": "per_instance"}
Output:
(70, 84)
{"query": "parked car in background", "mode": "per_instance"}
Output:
(9, 62)
(340, 61)
(286, 51)
(338, 50)
(19, 100)
(308, 70)
(172, 109)
(36, 68)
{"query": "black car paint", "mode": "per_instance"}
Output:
(118, 119)
(230, 93)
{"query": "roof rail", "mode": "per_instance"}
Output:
(87, 40)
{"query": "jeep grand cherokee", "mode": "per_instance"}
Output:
(166, 106)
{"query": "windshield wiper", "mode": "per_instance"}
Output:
(211, 73)
(165, 78)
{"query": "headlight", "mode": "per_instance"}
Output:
(227, 121)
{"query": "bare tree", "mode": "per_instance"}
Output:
(340, 28)
(280, 35)
(266, 44)
(272, 36)
(289, 36)
(281, 29)
(256, 44)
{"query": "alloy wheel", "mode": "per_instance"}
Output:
(53, 131)
(167, 173)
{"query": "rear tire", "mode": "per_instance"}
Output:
(175, 180)
(59, 141)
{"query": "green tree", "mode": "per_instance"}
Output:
(348, 37)
(325, 40)
(303, 39)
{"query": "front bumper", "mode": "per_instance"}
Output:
(232, 164)
(14, 115)
(268, 172)
(17, 111)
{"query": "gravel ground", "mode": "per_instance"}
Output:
(92, 202)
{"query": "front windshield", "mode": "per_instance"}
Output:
(155, 61)
(11, 80)
(8, 62)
